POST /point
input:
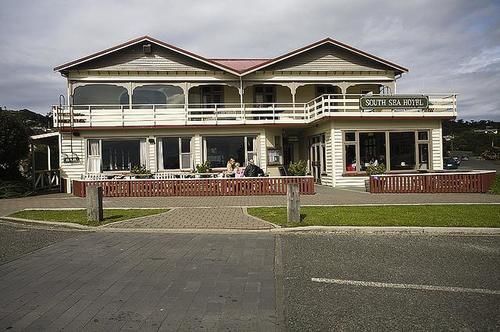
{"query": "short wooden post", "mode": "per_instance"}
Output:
(94, 204)
(293, 202)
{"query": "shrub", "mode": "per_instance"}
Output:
(14, 145)
(140, 170)
(203, 167)
(298, 169)
(374, 170)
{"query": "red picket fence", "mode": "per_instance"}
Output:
(470, 182)
(196, 187)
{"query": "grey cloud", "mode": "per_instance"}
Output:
(448, 45)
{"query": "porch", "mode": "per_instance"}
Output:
(214, 114)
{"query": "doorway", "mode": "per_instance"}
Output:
(317, 156)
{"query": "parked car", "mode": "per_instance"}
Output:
(450, 163)
(457, 160)
(465, 158)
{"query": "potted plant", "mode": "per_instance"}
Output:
(297, 169)
(373, 170)
(203, 168)
(140, 172)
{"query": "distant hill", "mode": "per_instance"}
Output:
(35, 123)
(467, 139)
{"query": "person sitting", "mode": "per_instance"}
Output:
(230, 167)
(253, 170)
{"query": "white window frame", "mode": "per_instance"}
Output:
(190, 153)
(87, 156)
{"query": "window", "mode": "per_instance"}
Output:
(371, 149)
(174, 153)
(211, 95)
(324, 90)
(423, 150)
(123, 154)
(402, 150)
(265, 94)
(398, 151)
(350, 160)
(94, 156)
(158, 94)
(219, 149)
(100, 94)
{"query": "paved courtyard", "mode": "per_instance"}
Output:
(196, 218)
(136, 281)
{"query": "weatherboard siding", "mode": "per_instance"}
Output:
(327, 58)
(133, 59)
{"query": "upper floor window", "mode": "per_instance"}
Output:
(265, 94)
(158, 94)
(100, 94)
(212, 94)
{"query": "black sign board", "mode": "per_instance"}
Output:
(394, 102)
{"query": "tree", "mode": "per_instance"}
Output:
(14, 144)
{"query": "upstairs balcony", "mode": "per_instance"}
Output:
(213, 114)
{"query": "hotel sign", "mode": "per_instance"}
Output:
(394, 102)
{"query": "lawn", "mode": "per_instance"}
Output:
(482, 215)
(495, 188)
(80, 216)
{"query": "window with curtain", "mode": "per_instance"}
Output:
(174, 153)
(122, 154)
(94, 156)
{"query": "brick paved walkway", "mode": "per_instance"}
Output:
(196, 218)
(143, 282)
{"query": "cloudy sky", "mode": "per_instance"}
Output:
(448, 45)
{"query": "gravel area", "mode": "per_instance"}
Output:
(19, 239)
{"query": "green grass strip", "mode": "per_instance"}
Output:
(480, 215)
(80, 216)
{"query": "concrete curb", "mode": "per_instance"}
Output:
(50, 223)
(300, 229)
(393, 230)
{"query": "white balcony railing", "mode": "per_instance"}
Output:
(148, 115)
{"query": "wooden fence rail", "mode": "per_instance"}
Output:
(197, 187)
(467, 182)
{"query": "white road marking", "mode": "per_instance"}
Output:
(406, 286)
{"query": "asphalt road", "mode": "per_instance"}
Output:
(111, 281)
(474, 163)
(18, 239)
(457, 265)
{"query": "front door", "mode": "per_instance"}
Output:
(317, 156)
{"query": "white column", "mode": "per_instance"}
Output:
(49, 166)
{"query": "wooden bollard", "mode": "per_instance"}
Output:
(293, 202)
(94, 204)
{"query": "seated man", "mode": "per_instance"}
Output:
(253, 170)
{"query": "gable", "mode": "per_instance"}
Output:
(328, 57)
(133, 58)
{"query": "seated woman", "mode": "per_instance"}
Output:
(231, 164)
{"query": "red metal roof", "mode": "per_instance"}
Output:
(240, 65)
